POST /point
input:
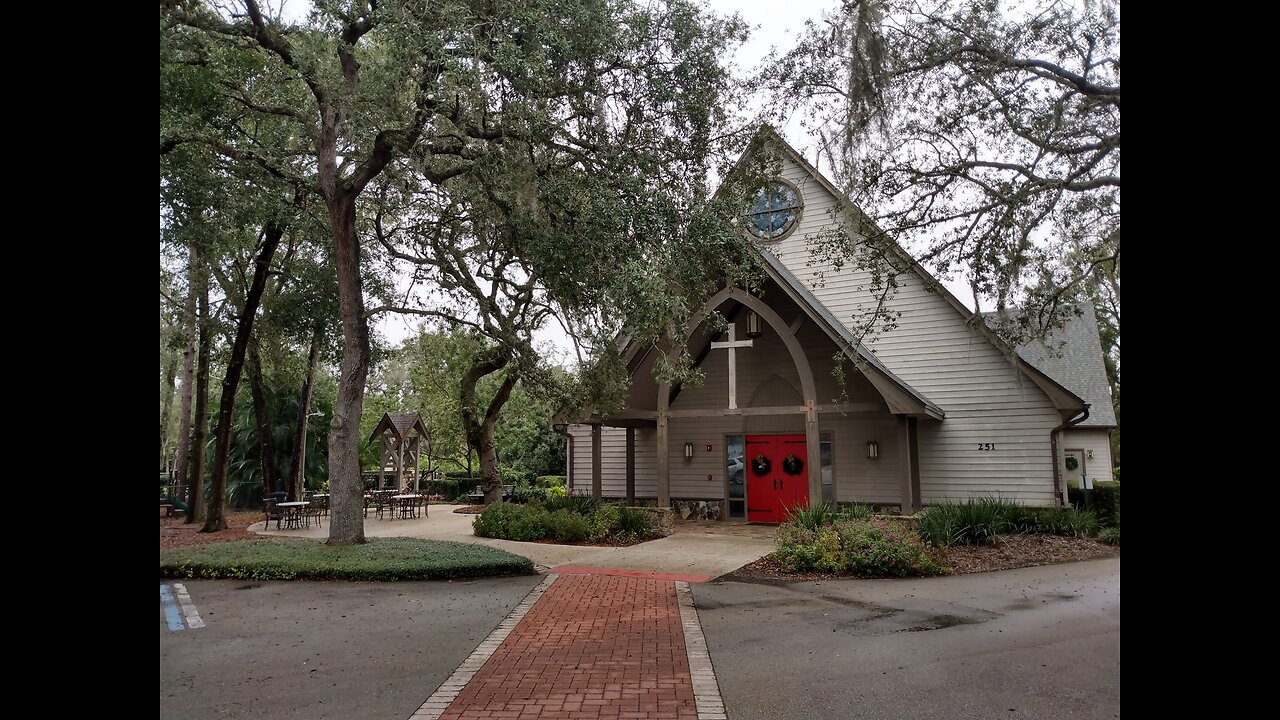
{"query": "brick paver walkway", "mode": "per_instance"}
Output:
(593, 646)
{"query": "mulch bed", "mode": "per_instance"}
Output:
(1015, 551)
(470, 509)
(1012, 551)
(174, 532)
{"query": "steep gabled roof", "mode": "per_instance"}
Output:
(400, 424)
(1073, 357)
(1062, 397)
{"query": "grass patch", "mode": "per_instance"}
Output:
(378, 559)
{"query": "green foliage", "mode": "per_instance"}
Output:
(1104, 500)
(566, 520)
(979, 521)
(857, 511)
(812, 517)
(556, 491)
(581, 504)
(602, 523)
(567, 526)
(1110, 535)
(528, 493)
(550, 481)
(380, 559)
(634, 522)
(867, 548)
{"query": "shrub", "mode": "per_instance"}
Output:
(1104, 500)
(496, 520)
(528, 493)
(602, 523)
(1053, 521)
(814, 517)
(1110, 536)
(531, 523)
(856, 511)
(550, 481)
(581, 504)
(566, 526)
(634, 523)
(853, 545)
(555, 491)
(972, 522)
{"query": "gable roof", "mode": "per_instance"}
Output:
(1063, 398)
(1073, 357)
(400, 424)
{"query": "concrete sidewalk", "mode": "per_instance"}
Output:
(697, 550)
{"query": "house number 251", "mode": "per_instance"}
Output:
(986, 446)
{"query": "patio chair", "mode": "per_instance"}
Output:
(273, 513)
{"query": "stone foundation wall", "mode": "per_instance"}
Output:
(697, 509)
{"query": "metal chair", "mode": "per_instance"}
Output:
(273, 513)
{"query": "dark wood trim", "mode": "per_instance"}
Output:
(631, 466)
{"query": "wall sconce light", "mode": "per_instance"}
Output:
(753, 325)
(708, 447)
(688, 451)
(873, 450)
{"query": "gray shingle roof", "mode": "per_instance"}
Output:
(1073, 357)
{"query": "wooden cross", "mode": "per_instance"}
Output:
(731, 346)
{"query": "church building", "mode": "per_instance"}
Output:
(797, 409)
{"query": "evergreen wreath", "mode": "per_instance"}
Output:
(792, 465)
(1072, 463)
(760, 465)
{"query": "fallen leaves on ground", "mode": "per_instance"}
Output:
(174, 532)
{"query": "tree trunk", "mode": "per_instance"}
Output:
(297, 471)
(262, 418)
(195, 479)
(166, 412)
(180, 473)
(480, 428)
(346, 496)
(215, 520)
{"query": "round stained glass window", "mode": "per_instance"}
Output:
(774, 212)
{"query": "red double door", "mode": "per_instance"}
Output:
(771, 490)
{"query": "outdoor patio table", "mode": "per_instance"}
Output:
(406, 505)
(294, 510)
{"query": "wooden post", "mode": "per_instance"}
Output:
(382, 461)
(914, 436)
(597, 480)
(415, 450)
(664, 462)
(909, 456)
(813, 450)
(631, 466)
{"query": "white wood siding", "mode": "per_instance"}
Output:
(1088, 439)
(985, 398)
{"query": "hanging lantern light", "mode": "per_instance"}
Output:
(753, 325)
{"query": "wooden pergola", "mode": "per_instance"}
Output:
(401, 435)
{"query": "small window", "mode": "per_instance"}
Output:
(775, 211)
